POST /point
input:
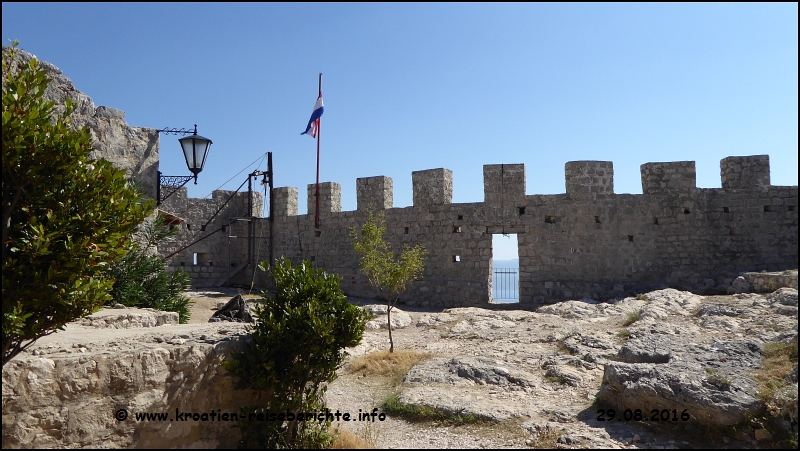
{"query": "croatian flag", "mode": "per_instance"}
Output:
(313, 123)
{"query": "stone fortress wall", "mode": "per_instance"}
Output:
(588, 242)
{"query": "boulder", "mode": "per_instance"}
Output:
(400, 319)
(713, 383)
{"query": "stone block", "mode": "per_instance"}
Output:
(432, 187)
(677, 178)
(585, 179)
(378, 191)
(330, 198)
(750, 172)
(285, 199)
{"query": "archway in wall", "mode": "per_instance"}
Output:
(504, 272)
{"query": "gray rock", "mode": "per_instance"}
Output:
(784, 296)
(400, 319)
(719, 310)
(109, 113)
(462, 402)
(713, 383)
(565, 374)
(740, 285)
(469, 371)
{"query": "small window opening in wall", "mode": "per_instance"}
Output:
(406, 230)
(460, 217)
(597, 219)
(183, 263)
(189, 227)
(630, 237)
(726, 210)
(202, 228)
(732, 231)
(313, 258)
(521, 211)
(767, 208)
(550, 219)
(317, 233)
(685, 211)
(210, 263)
(655, 220)
(200, 258)
(456, 258)
(790, 207)
(457, 229)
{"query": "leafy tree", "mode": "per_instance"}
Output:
(66, 218)
(297, 345)
(141, 279)
(389, 276)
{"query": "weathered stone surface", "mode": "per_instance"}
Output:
(400, 318)
(784, 296)
(68, 396)
(117, 318)
(714, 383)
(469, 371)
(461, 402)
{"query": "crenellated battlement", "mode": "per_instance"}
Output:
(678, 178)
(432, 187)
(589, 242)
(330, 198)
(377, 192)
(745, 172)
(585, 179)
(504, 185)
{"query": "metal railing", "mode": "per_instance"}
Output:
(505, 284)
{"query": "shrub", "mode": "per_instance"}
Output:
(141, 278)
(632, 318)
(296, 346)
(66, 217)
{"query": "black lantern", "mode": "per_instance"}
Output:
(195, 150)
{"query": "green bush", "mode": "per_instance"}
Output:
(66, 218)
(632, 318)
(141, 279)
(297, 345)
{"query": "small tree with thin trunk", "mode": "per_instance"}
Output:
(389, 276)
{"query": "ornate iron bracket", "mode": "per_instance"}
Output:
(168, 184)
(179, 131)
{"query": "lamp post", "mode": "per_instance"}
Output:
(195, 150)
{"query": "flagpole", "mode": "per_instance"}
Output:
(319, 126)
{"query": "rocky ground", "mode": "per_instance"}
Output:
(544, 378)
(546, 375)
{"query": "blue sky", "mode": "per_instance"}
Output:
(419, 86)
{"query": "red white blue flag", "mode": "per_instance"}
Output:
(313, 123)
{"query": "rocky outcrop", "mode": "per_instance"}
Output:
(133, 149)
(400, 319)
(98, 386)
